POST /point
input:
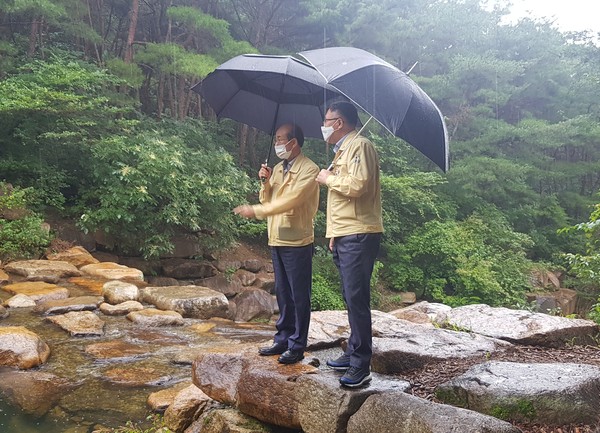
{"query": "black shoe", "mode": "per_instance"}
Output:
(355, 377)
(291, 357)
(341, 364)
(275, 349)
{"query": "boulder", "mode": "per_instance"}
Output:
(519, 326)
(252, 265)
(253, 304)
(247, 278)
(43, 270)
(38, 290)
(190, 301)
(79, 324)
(545, 393)
(116, 292)
(183, 269)
(159, 401)
(228, 286)
(21, 348)
(20, 301)
(77, 256)
(120, 309)
(154, 317)
(112, 271)
(61, 306)
(117, 351)
(397, 412)
(187, 405)
(228, 420)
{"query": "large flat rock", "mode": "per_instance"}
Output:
(79, 323)
(189, 301)
(43, 270)
(518, 326)
(112, 271)
(39, 291)
(61, 306)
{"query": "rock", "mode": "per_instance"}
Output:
(162, 281)
(252, 265)
(116, 292)
(266, 283)
(397, 412)
(34, 392)
(190, 301)
(93, 285)
(247, 278)
(4, 313)
(187, 269)
(20, 301)
(544, 393)
(184, 246)
(327, 329)
(42, 270)
(4, 278)
(258, 386)
(148, 267)
(412, 315)
(61, 306)
(229, 287)
(253, 304)
(21, 348)
(154, 317)
(120, 309)
(112, 271)
(227, 420)
(38, 291)
(77, 256)
(432, 309)
(562, 300)
(116, 351)
(519, 326)
(159, 401)
(227, 266)
(187, 406)
(325, 407)
(135, 376)
(79, 324)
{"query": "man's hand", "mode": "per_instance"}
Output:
(245, 210)
(331, 243)
(265, 172)
(322, 176)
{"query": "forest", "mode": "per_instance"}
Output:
(99, 125)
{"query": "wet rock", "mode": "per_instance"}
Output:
(247, 278)
(187, 269)
(136, 376)
(403, 413)
(38, 291)
(19, 347)
(120, 309)
(61, 306)
(159, 401)
(540, 393)
(190, 301)
(77, 256)
(117, 291)
(258, 386)
(162, 281)
(79, 324)
(148, 267)
(42, 270)
(413, 316)
(20, 301)
(228, 286)
(34, 392)
(4, 278)
(266, 283)
(187, 406)
(112, 271)
(154, 317)
(227, 420)
(252, 265)
(94, 285)
(518, 326)
(253, 304)
(4, 312)
(431, 309)
(116, 351)
(325, 407)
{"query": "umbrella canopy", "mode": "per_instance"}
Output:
(266, 91)
(387, 94)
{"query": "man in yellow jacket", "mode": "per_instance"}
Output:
(289, 200)
(354, 229)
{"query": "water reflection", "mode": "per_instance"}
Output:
(93, 398)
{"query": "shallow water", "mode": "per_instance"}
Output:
(94, 400)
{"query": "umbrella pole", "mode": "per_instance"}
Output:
(357, 134)
(263, 179)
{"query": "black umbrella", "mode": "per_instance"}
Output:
(266, 91)
(387, 94)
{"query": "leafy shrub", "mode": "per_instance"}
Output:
(21, 234)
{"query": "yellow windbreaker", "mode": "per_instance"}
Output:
(290, 203)
(354, 196)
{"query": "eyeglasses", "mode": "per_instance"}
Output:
(329, 120)
(281, 141)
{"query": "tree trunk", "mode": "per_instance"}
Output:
(135, 6)
(35, 24)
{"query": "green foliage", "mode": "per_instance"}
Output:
(153, 184)
(476, 260)
(326, 294)
(21, 233)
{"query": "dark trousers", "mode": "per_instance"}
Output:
(293, 283)
(354, 256)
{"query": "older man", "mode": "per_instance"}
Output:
(289, 200)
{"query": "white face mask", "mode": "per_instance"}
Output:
(281, 152)
(326, 131)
